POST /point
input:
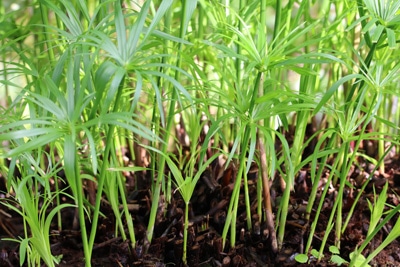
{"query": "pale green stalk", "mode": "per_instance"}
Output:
(242, 174)
(49, 48)
(318, 212)
(185, 16)
(128, 217)
(72, 172)
(102, 176)
(187, 178)
(56, 181)
(158, 121)
(263, 188)
(242, 4)
(111, 186)
(330, 134)
(301, 124)
(335, 205)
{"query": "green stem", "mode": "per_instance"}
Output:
(111, 191)
(315, 178)
(168, 128)
(329, 224)
(233, 204)
(127, 214)
(185, 233)
(277, 25)
(238, 62)
(339, 199)
(104, 166)
(301, 125)
(81, 212)
(381, 142)
(50, 52)
(319, 208)
(56, 179)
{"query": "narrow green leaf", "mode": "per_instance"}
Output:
(103, 75)
(377, 33)
(92, 150)
(369, 25)
(190, 6)
(137, 29)
(333, 89)
(113, 89)
(356, 22)
(69, 162)
(120, 31)
(391, 38)
(164, 6)
(23, 247)
(17, 134)
(34, 144)
(70, 21)
(47, 104)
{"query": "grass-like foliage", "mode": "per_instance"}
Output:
(243, 80)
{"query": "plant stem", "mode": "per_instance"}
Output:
(50, 52)
(301, 125)
(185, 233)
(266, 192)
(240, 27)
(167, 133)
(104, 166)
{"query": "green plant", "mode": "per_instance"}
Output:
(377, 211)
(335, 257)
(189, 169)
(36, 213)
(73, 102)
(186, 12)
(83, 81)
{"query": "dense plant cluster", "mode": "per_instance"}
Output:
(242, 81)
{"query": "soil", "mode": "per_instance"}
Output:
(207, 215)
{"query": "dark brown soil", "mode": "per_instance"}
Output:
(207, 215)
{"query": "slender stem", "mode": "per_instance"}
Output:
(56, 180)
(127, 214)
(339, 199)
(233, 204)
(277, 25)
(381, 142)
(104, 166)
(185, 233)
(128, 217)
(50, 52)
(257, 84)
(81, 212)
(301, 125)
(168, 128)
(314, 224)
(239, 49)
(266, 192)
